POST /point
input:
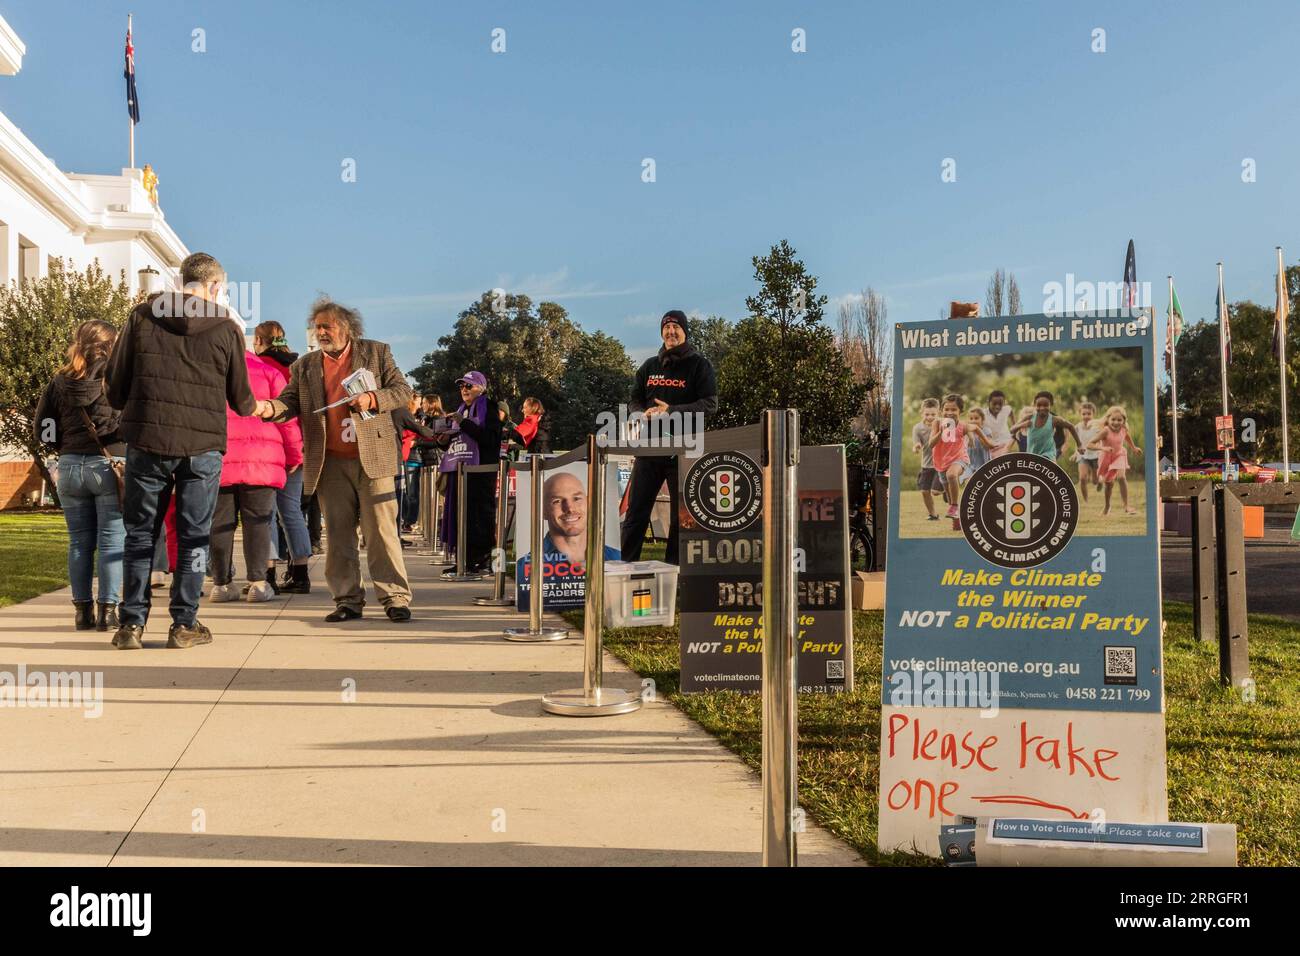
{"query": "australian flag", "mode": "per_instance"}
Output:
(1130, 279)
(132, 100)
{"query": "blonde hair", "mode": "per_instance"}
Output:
(530, 402)
(1117, 410)
(976, 410)
(91, 343)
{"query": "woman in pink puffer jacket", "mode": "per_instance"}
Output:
(257, 457)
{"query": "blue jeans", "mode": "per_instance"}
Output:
(411, 503)
(88, 493)
(288, 503)
(150, 482)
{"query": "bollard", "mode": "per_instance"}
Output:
(462, 492)
(534, 631)
(1234, 640)
(780, 700)
(1204, 581)
(593, 699)
(498, 597)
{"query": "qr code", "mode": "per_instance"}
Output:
(1121, 665)
(835, 670)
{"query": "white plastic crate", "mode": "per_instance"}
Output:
(640, 593)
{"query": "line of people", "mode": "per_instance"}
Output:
(172, 425)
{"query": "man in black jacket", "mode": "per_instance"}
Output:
(176, 366)
(679, 380)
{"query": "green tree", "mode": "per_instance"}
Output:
(784, 356)
(37, 322)
(521, 350)
(597, 378)
(712, 336)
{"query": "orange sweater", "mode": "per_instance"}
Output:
(335, 371)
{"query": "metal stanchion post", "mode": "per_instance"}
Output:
(593, 700)
(536, 561)
(498, 597)
(425, 521)
(780, 699)
(462, 520)
(436, 505)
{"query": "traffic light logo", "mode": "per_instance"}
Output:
(1017, 507)
(724, 490)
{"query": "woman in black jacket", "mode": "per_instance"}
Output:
(74, 418)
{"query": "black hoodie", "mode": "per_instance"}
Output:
(59, 423)
(176, 366)
(681, 377)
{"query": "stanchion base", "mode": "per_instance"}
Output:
(602, 703)
(526, 635)
(494, 602)
(463, 578)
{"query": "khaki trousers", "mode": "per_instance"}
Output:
(344, 491)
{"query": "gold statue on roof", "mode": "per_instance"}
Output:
(151, 183)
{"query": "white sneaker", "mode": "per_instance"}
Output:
(223, 592)
(260, 591)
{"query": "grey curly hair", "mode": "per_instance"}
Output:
(348, 318)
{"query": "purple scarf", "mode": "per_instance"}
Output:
(463, 447)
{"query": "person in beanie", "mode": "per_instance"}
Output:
(680, 380)
(174, 370)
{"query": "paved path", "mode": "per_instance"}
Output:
(244, 751)
(1272, 569)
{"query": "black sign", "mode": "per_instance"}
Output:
(721, 583)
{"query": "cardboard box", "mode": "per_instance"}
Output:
(868, 590)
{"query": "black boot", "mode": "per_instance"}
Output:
(296, 580)
(107, 617)
(270, 579)
(85, 619)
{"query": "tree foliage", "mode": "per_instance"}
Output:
(597, 378)
(784, 356)
(521, 350)
(37, 322)
(712, 336)
(867, 343)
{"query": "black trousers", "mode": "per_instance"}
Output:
(311, 511)
(481, 514)
(648, 475)
(256, 505)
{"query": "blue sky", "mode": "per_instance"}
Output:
(523, 169)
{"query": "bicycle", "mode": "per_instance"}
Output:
(862, 499)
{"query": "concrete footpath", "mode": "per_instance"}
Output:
(248, 751)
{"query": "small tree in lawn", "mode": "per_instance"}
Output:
(784, 356)
(37, 322)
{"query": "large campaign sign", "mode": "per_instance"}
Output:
(564, 535)
(721, 582)
(1022, 665)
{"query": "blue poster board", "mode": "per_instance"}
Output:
(1023, 541)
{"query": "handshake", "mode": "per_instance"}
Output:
(263, 409)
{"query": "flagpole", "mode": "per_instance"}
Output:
(1173, 373)
(130, 120)
(1281, 361)
(1223, 366)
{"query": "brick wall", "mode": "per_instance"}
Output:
(17, 479)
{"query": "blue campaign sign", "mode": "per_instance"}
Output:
(1022, 512)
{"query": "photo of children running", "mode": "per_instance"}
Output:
(997, 405)
(1113, 443)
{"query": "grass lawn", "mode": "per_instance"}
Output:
(33, 554)
(915, 523)
(1229, 761)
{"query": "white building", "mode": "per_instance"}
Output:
(47, 214)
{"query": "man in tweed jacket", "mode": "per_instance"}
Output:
(350, 461)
